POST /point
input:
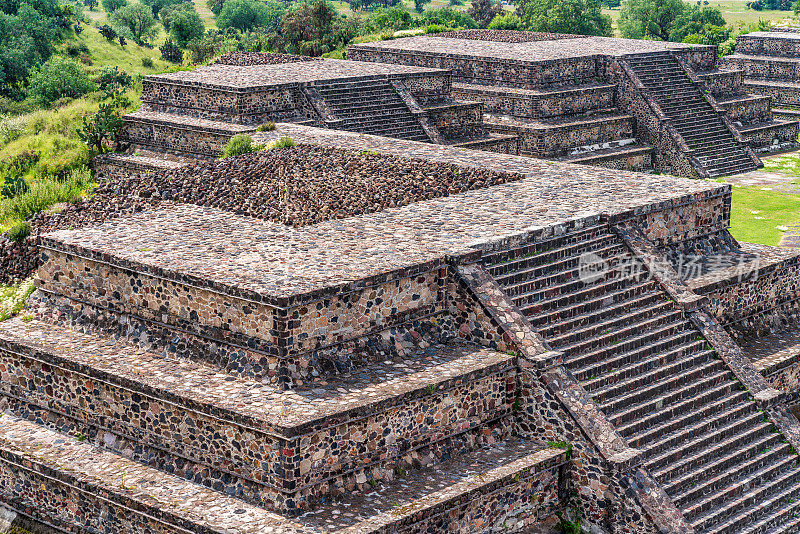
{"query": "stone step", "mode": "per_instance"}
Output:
(627, 345)
(671, 431)
(669, 389)
(670, 418)
(174, 396)
(645, 374)
(556, 274)
(750, 506)
(766, 450)
(669, 346)
(681, 457)
(589, 305)
(66, 482)
(575, 293)
(631, 157)
(666, 316)
(785, 470)
(693, 394)
(782, 518)
(611, 309)
(548, 251)
(536, 267)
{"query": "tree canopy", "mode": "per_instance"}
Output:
(249, 14)
(582, 17)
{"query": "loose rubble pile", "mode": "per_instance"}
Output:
(246, 59)
(295, 186)
(505, 36)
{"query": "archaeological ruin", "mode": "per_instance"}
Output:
(393, 319)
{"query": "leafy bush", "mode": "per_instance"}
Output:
(112, 5)
(11, 129)
(250, 14)
(483, 11)
(509, 21)
(19, 232)
(108, 32)
(171, 52)
(266, 127)
(215, 6)
(56, 78)
(448, 17)
(436, 28)
(392, 18)
(185, 26)
(166, 15)
(137, 19)
(147, 63)
(76, 49)
(113, 78)
(240, 144)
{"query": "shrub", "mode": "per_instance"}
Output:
(392, 18)
(215, 6)
(240, 144)
(250, 14)
(19, 232)
(186, 26)
(266, 127)
(108, 32)
(283, 142)
(76, 49)
(171, 52)
(113, 78)
(315, 28)
(57, 78)
(435, 28)
(13, 186)
(157, 6)
(12, 128)
(147, 63)
(112, 5)
(509, 21)
(449, 17)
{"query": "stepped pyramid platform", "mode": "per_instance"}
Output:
(556, 92)
(495, 353)
(193, 114)
(770, 65)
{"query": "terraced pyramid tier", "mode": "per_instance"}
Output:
(721, 461)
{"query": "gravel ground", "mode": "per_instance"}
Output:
(505, 36)
(244, 59)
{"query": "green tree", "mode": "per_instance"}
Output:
(250, 14)
(315, 27)
(582, 17)
(483, 11)
(58, 78)
(215, 6)
(186, 26)
(171, 52)
(169, 12)
(112, 5)
(696, 20)
(138, 20)
(649, 19)
(158, 5)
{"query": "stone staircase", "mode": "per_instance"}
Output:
(703, 437)
(371, 106)
(717, 150)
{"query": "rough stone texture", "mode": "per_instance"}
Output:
(243, 59)
(507, 36)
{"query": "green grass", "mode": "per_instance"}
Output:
(788, 164)
(12, 298)
(128, 57)
(759, 216)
